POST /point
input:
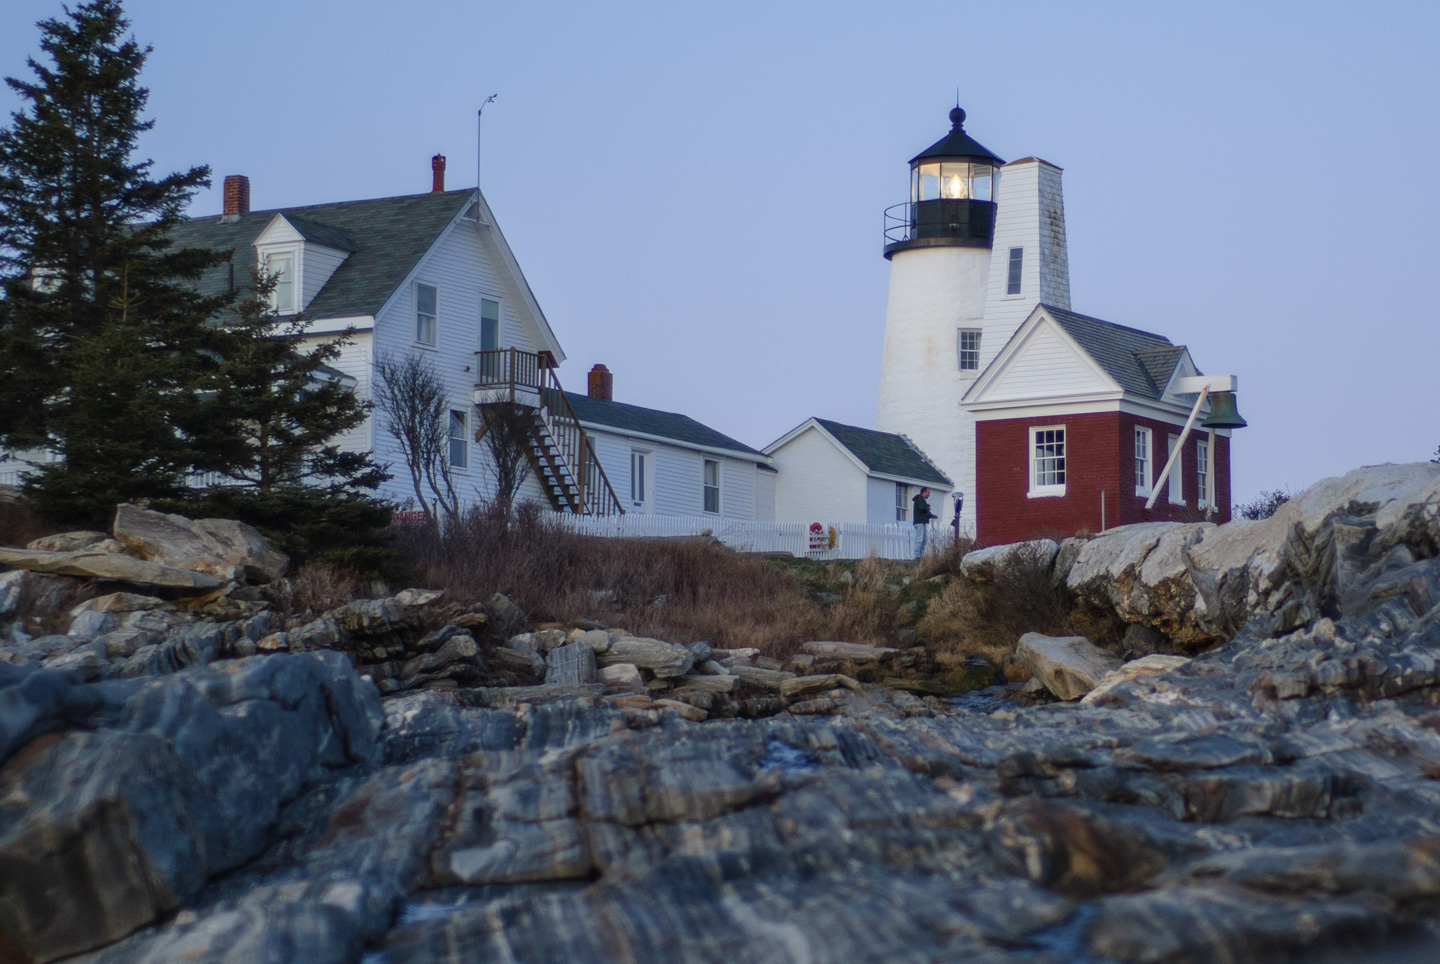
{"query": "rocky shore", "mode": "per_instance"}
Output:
(1253, 774)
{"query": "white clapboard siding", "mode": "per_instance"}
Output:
(1046, 367)
(854, 540)
(677, 475)
(764, 494)
(880, 501)
(816, 480)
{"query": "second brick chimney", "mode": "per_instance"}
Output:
(237, 195)
(602, 383)
(437, 167)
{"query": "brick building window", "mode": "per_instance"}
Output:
(969, 347)
(1202, 470)
(1143, 465)
(1177, 474)
(1047, 460)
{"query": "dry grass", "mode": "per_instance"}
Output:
(314, 588)
(684, 590)
(988, 620)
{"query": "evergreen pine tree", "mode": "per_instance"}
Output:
(100, 342)
(272, 404)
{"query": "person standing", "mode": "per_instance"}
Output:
(921, 516)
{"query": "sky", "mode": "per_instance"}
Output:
(695, 192)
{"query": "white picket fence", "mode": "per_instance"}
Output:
(852, 540)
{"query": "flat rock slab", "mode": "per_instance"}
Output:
(712, 684)
(1152, 665)
(854, 652)
(768, 678)
(801, 685)
(108, 565)
(1069, 666)
(659, 657)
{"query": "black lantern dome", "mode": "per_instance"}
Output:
(952, 195)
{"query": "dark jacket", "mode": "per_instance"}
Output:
(922, 513)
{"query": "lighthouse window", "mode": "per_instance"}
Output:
(955, 181)
(980, 182)
(929, 183)
(1017, 260)
(969, 349)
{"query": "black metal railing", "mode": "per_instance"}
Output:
(962, 220)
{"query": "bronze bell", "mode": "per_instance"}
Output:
(1223, 413)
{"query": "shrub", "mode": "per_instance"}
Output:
(988, 620)
(1264, 505)
(314, 588)
(21, 523)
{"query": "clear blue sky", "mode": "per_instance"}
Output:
(695, 192)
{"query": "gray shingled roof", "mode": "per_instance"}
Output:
(1134, 358)
(387, 237)
(886, 453)
(649, 421)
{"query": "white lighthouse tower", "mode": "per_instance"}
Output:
(977, 246)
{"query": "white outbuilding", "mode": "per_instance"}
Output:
(827, 470)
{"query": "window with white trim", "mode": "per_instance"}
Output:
(638, 473)
(712, 486)
(1017, 263)
(426, 315)
(1143, 465)
(1202, 470)
(1047, 460)
(459, 441)
(902, 500)
(1176, 482)
(489, 324)
(281, 266)
(968, 346)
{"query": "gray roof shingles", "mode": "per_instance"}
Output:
(886, 453)
(650, 421)
(1136, 359)
(386, 237)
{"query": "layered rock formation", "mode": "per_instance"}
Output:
(1272, 796)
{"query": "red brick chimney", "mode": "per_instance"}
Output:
(237, 195)
(437, 167)
(602, 383)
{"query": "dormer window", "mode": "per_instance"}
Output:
(281, 266)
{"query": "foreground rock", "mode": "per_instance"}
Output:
(1068, 666)
(108, 565)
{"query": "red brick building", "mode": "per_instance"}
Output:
(1075, 421)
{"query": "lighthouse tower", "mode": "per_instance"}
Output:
(975, 248)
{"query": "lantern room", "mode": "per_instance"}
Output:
(952, 195)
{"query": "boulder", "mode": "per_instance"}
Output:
(850, 652)
(1152, 665)
(120, 602)
(108, 565)
(757, 676)
(990, 564)
(1069, 666)
(225, 548)
(572, 664)
(68, 541)
(621, 678)
(11, 586)
(659, 657)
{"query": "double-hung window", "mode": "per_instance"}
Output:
(969, 349)
(1017, 263)
(281, 267)
(1202, 471)
(1143, 464)
(638, 475)
(902, 500)
(489, 324)
(459, 442)
(1047, 460)
(426, 315)
(712, 486)
(1176, 481)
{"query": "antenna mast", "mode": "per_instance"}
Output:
(479, 116)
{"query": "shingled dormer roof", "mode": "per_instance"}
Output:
(386, 238)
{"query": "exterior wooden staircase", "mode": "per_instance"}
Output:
(561, 453)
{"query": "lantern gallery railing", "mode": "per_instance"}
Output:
(956, 220)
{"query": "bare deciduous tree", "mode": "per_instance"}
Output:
(508, 434)
(411, 393)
